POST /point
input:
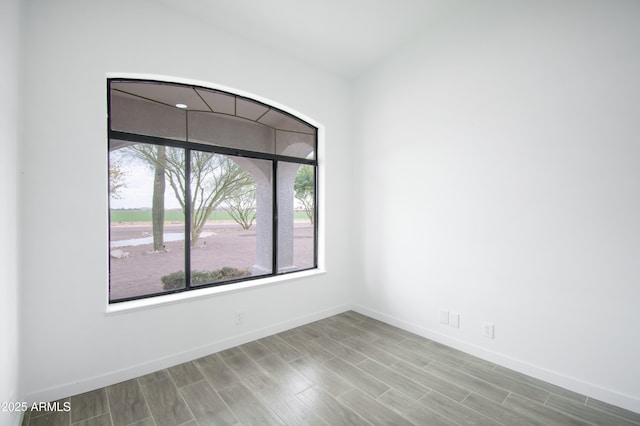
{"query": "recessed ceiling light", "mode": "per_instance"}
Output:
(183, 106)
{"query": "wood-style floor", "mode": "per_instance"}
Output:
(345, 370)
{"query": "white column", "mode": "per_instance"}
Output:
(261, 171)
(286, 178)
(291, 144)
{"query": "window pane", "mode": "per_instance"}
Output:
(132, 114)
(283, 121)
(232, 206)
(147, 220)
(293, 144)
(231, 132)
(296, 216)
(236, 132)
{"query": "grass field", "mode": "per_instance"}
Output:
(118, 216)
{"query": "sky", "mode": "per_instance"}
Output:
(138, 190)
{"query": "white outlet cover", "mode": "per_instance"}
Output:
(454, 320)
(487, 330)
(444, 317)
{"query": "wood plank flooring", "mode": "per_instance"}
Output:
(348, 369)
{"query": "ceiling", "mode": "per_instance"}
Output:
(342, 36)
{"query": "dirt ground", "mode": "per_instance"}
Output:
(229, 245)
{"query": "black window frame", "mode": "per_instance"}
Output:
(215, 149)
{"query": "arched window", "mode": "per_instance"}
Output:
(206, 188)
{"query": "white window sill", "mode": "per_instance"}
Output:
(153, 302)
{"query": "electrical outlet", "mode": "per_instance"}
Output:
(239, 317)
(444, 317)
(454, 320)
(487, 330)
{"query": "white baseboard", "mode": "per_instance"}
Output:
(574, 384)
(112, 377)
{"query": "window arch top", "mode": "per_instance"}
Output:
(207, 116)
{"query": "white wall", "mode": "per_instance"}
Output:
(497, 163)
(9, 329)
(500, 172)
(69, 345)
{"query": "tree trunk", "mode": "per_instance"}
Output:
(157, 207)
(198, 224)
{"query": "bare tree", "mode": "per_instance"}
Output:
(214, 178)
(116, 178)
(157, 206)
(241, 206)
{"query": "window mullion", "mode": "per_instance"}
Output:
(158, 140)
(187, 217)
(274, 232)
(315, 217)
